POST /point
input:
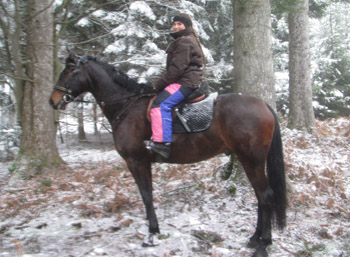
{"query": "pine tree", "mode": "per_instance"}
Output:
(253, 62)
(301, 114)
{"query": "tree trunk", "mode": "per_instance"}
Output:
(301, 113)
(95, 118)
(38, 142)
(253, 60)
(12, 28)
(81, 129)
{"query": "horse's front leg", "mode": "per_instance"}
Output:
(141, 171)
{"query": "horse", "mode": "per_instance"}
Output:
(241, 125)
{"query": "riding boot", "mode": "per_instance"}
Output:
(162, 149)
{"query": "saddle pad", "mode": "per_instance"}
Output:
(197, 116)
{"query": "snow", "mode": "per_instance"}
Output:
(150, 46)
(337, 93)
(150, 72)
(117, 17)
(143, 8)
(99, 13)
(121, 30)
(83, 22)
(220, 69)
(129, 29)
(57, 3)
(93, 207)
(117, 47)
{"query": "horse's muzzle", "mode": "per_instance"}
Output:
(61, 105)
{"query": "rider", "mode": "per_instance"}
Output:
(182, 76)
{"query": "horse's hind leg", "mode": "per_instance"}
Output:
(262, 236)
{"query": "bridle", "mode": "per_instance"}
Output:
(68, 97)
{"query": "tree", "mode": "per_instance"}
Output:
(80, 115)
(331, 80)
(218, 25)
(12, 64)
(301, 114)
(27, 28)
(253, 60)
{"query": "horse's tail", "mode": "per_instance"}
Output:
(276, 175)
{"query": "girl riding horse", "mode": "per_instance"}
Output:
(182, 76)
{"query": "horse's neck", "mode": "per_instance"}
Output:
(106, 91)
(105, 88)
(112, 97)
(112, 101)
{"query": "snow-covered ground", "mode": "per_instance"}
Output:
(93, 208)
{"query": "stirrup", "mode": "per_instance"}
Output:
(163, 149)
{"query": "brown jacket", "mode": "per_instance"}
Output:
(184, 61)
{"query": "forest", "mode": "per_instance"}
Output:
(60, 173)
(133, 36)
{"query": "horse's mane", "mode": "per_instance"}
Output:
(122, 79)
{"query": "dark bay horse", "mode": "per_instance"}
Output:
(241, 125)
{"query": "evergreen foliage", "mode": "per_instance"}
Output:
(330, 44)
(332, 63)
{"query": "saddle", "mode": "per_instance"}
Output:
(195, 114)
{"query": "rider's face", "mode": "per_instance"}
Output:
(177, 26)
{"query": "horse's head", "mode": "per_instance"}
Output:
(72, 82)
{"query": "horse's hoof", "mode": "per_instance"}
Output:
(147, 244)
(149, 241)
(260, 252)
(254, 243)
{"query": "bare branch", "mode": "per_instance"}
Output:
(20, 78)
(91, 39)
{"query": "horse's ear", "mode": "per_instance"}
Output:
(71, 54)
(69, 51)
(72, 58)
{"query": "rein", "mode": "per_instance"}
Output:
(119, 99)
(122, 113)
